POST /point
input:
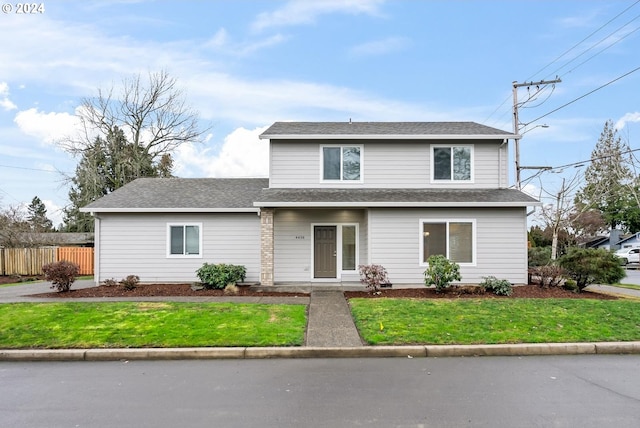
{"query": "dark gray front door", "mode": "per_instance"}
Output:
(324, 251)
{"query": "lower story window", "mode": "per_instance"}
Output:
(348, 248)
(185, 240)
(452, 239)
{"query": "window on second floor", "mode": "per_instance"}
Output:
(341, 163)
(452, 163)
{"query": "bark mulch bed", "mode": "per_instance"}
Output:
(148, 290)
(462, 292)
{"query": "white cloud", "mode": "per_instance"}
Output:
(54, 212)
(629, 117)
(47, 127)
(300, 12)
(380, 47)
(221, 42)
(242, 154)
(5, 102)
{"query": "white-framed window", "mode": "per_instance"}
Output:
(454, 239)
(184, 240)
(452, 163)
(349, 247)
(341, 163)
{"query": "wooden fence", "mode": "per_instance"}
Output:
(29, 261)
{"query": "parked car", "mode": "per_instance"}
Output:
(628, 255)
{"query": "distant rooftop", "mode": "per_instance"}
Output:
(379, 130)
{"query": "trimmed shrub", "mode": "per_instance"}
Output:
(130, 282)
(110, 282)
(547, 275)
(499, 287)
(588, 266)
(441, 272)
(61, 274)
(219, 275)
(373, 276)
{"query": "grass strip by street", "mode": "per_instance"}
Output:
(629, 286)
(495, 321)
(149, 324)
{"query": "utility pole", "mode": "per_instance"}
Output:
(516, 121)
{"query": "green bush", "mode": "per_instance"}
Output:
(441, 272)
(499, 287)
(570, 285)
(61, 274)
(539, 256)
(219, 275)
(589, 266)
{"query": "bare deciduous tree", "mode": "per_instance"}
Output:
(153, 114)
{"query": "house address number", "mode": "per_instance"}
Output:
(299, 236)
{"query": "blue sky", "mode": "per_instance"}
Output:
(245, 64)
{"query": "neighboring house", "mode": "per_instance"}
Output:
(614, 241)
(631, 241)
(339, 194)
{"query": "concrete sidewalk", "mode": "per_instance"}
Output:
(331, 333)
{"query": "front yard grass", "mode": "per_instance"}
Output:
(493, 321)
(147, 324)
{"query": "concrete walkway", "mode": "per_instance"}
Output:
(330, 323)
(331, 332)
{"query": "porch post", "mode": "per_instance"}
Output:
(266, 246)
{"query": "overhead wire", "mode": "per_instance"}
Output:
(575, 46)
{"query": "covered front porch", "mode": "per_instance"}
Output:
(312, 246)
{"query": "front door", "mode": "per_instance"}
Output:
(324, 251)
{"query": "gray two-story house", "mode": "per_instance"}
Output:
(339, 194)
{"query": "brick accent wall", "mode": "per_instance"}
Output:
(266, 246)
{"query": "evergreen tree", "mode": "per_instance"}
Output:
(105, 166)
(37, 216)
(609, 182)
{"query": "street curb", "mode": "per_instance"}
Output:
(415, 351)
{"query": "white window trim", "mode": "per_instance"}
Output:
(184, 256)
(433, 164)
(339, 271)
(341, 180)
(422, 221)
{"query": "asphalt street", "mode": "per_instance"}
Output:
(543, 391)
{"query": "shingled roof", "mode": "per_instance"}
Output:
(379, 130)
(182, 195)
(394, 198)
(248, 194)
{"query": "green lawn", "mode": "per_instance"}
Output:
(145, 324)
(477, 321)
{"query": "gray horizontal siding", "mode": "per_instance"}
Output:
(501, 246)
(135, 244)
(385, 164)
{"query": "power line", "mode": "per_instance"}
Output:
(582, 96)
(574, 47)
(29, 169)
(582, 41)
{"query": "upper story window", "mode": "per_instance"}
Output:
(452, 163)
(341, 163)
(184, 240)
